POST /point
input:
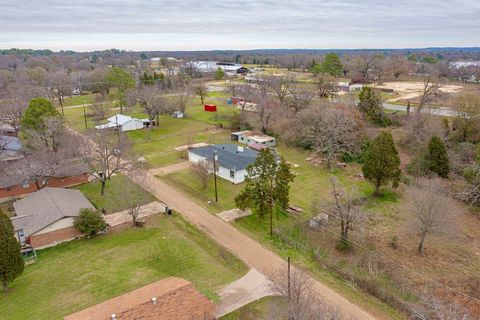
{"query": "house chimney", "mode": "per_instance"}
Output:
(113, 316)
(154, 300)
(240, 149)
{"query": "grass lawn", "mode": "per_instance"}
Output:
(221, 117)
(257, 310)
(81, 273)
(78, 100)
(109, 201)
(157, 144)
(311, 184)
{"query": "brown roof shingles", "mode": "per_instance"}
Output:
(176, 299)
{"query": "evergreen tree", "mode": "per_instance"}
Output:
(11, 261)
(332, 65)
(122, 80)
(371, 106)
(219, 74)
(382, 162)
(38, 110)
(267, 185)
(89, 222)
(437, 158)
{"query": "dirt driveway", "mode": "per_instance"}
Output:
(248, 250)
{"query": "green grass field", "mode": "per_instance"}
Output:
(109, 201)
(258, 310)
(81, 273)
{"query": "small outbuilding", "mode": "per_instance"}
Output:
(124, 123)
(253, 138)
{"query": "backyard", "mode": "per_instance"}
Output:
(78, 274)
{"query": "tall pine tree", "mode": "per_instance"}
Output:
(267, 185)
(382, 162)
(437, 158)
(11, 261)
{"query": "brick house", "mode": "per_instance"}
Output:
(45, 218)
(170, 298)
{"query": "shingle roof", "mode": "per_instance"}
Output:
(46, 206)
(176, 298)
(228, 155)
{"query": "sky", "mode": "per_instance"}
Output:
(85, 25)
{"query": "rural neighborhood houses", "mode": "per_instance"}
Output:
(231, 160)
(169, 298)
(45, 218)
(124, 123)
(253, 138)
(212, 66)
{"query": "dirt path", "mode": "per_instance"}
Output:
(250, 251)
(162, 171)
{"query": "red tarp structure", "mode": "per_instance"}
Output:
(210, 108)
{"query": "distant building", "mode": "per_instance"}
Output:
(45, 218)
(170, 298)
(251, 137)
(232, 160)
(212, 66)
(124, 123)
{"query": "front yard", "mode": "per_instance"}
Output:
(81, 273)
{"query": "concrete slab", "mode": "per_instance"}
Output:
(249, 288)
(146, 210)
(232, 215)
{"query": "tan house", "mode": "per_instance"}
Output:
(45, 218)
(167, 299)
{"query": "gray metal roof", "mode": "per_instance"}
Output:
(11, 143)
(228, 155)
(40, 209)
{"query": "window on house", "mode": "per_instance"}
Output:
(232, 174)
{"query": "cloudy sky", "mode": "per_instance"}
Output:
(237, 24)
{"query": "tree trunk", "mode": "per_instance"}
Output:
(5, 286)
(60, 100)
(102, 191)
(377, 189)
(422, 242)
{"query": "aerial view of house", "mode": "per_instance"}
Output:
(232, 160)
(45, 217)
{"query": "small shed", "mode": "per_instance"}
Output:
(210, 107)
(178, 114)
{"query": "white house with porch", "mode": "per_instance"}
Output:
(124, 123)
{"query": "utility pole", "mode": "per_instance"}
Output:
(118, 130)
(288, 272)
(85, 115)
(215, 158)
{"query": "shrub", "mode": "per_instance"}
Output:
(89, 222)
(437, 158)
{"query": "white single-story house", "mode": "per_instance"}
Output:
(45, 218)
(232, 160)
(250, 137)
(124, 123)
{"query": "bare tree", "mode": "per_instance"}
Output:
(300, 98)
(153, 102)
(302, 301)
(433, 212)
(333, 131)
(201, 91)
(327, 85)
(49, 135)
(280, 86)
(345, 207)
(102, 154)
(59, 86)
(434, 309)
(132, 197)
(467, 107)
(364, 65)
(181, 98)
(431, 87)
(202, 170)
